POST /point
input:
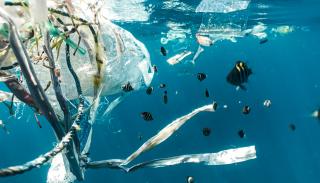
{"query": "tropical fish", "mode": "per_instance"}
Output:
(239, 74)
(155, 68)
(162, 85)
(163, 51)
(149, 90)
(127, 87)
(190, 179)
(207, 93)
(147, 116)
(201, 76)
(292, 127)
(267, 103)
(165, 97)
(206, 131)
(241, 133)
(246, 110)
(215, 105)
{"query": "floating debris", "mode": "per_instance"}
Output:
(165, 97)
(206, 131)
(285, 29)
(149, 90)
(239, 74)
(225, 106)
(147, 116)
(197, 54)
(3, 126)
(162, 85)
(127, 87)
(190, 179)
(207, 93)
(316, 114)
(201, 76)
(246, 110)
(178, 58)
(267, 103)
(163, 51)
(292, 127)
(241, 133)
(204, 40)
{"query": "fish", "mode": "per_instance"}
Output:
(215, 105)
(162, 85)
(127, 87)
(163, 51)
(264, 40)
(292, 127)
(267, 103)
(246, 110)
(149, 90)
(155, 68)
(207, 93)
(201, 76)
(190, 179)
(241, 133)
(239, 74)
(147, 116)
(165, 97)
(206, 131)
(179, 57)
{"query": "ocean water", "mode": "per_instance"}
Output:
(285, 71)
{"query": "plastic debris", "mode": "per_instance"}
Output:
(197, 54)
(267, 103)
(178, 58)
(222, 6)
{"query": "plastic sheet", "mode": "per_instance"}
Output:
(222, 6)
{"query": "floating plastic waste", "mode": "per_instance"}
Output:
(222, 6)
(179, 57)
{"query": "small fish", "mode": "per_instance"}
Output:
(246, 110)
(190, 179)
(267, 103)
(206, 131)
(155, 68)
(147, 116)
(241, 133)
(292, 127)
(201, 76)
(207, 93)
(239, 75)
(165, 97)
(162, 85)
(127, 87)
(149, 90)
(163, 51)
(215, 105)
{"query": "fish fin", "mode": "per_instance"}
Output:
(243, 87)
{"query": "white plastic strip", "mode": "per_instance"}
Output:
(222, 6)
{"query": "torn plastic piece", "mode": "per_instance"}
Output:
(179, 57)
(222, 6)
(195, 57)
(166, 132)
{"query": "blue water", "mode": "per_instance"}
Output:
(285, 70)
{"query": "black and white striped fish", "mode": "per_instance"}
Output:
(147, 116)
(149, 90)
(201, 76)
(239, 74)
(127, 87)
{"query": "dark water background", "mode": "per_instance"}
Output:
(285, 70)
